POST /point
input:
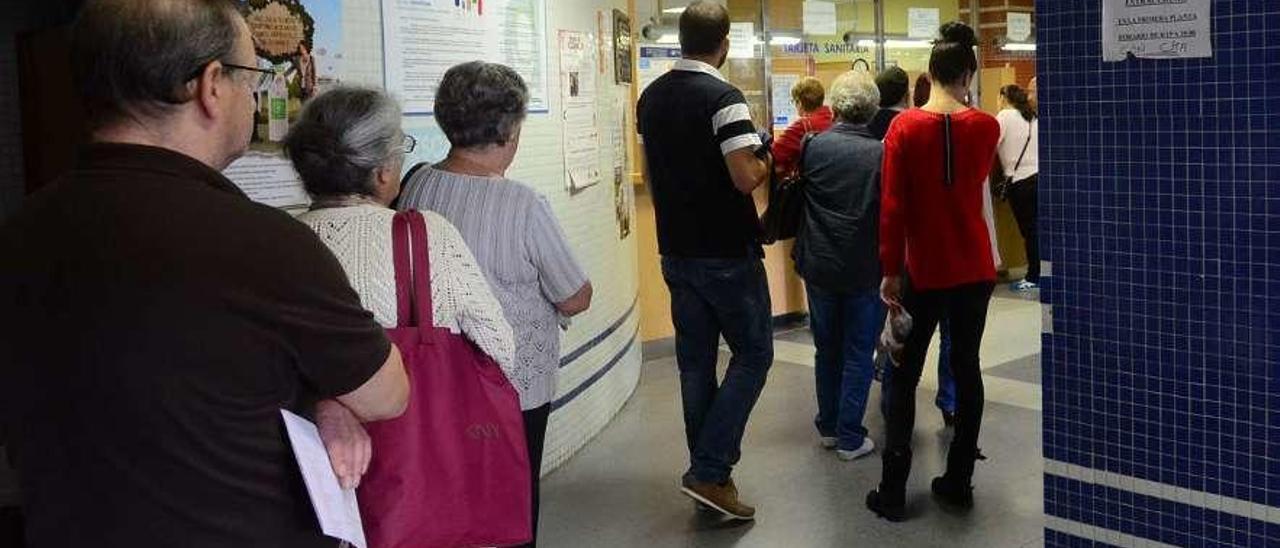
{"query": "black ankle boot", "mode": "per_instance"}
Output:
(894, 511)
(953, 492)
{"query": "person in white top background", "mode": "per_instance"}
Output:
(1019, 156)
(349, 148)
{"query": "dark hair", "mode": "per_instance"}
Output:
(893, 84)
(341, 138)
(923, 87)
(953, 54)
(1018, 99)
(703, 27)
(481, 103)
(137, 56)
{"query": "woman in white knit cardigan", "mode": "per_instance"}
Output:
(349, 148)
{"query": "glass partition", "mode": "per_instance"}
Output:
(819, 39)
(792, 39)
(905, 48)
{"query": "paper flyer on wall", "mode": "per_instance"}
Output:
(623, 193)
(655, 61)
(422, 39)
(742, 40)
(301, 40)
(1018, 26)
(820, 18)
(923, 22)
(1156, 30)
(578, 105)
(784, 110)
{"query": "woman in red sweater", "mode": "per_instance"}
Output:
(807, 94)
(936, 255)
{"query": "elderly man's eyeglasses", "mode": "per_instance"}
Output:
(264, 75)
(409, 144)
(263, 80)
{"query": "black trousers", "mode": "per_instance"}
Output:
(1022, 199)
(535, 434)
(966, 308)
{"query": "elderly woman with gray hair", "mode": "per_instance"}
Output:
(510, 227)
(349, 149)
(836, 254)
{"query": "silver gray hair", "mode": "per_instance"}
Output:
(854, 97)
(341, 139)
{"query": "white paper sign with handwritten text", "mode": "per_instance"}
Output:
(1156, 29)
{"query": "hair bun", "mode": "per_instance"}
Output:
(957, 32)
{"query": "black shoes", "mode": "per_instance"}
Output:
(946, 490)
(953, 493)
(893, 512)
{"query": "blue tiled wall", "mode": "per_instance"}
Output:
(1160, 212)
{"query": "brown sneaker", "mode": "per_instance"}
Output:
(721, 498)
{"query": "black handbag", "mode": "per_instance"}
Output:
(785, 212)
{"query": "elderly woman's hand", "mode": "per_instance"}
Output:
(349, 447)
(891, 291)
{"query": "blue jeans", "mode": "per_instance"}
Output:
(711, 298)
(845, 326)
(946, 400)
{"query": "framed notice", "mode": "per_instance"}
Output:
(622, 49)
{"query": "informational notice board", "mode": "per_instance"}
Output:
(422, 40)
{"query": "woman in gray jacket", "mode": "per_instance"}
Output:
(837, 254)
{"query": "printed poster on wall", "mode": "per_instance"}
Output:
(654, 61)
(1018, 26)
(923, 22)
(742, 40)
(820, 18)
(578, 105)
(423, 38)
(624, 195)
(301, 41)
(784, 110)
(1156, 29)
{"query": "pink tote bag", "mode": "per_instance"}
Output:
(453, 471)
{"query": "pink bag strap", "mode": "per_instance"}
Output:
(400, 257)
(413, 272)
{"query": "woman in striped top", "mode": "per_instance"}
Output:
(509, 226)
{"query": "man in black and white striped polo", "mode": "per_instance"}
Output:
(704, 158)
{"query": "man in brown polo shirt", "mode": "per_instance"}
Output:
(155, 320)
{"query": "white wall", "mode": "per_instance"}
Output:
(587, 217)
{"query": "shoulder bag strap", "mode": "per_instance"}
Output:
(804, 147)
(404, 270)
(424, 312)
(1024, 153)
(412, 273)
(412, 171)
